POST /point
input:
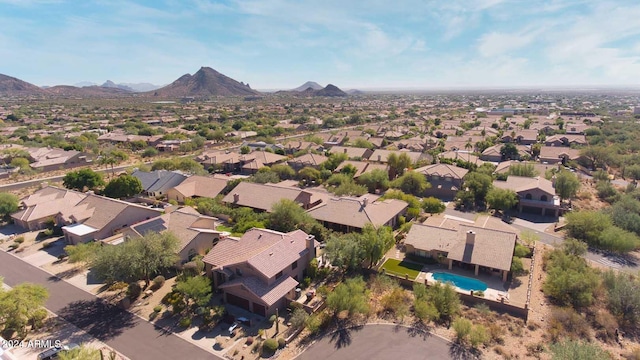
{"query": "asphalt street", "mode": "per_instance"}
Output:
(382, 342)
(133, 337)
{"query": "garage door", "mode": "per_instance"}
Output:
(259, 309)
(238, 301)
(532, 210)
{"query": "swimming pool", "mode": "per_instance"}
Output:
(462, 282)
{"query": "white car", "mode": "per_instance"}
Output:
(233, 327)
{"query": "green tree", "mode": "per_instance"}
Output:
(462, 328)
(376, 179)
(617, 240)
(623, 297)
(433, 205)
(375, 242)
(286, 215)
(298, 318)
(21, 306)
(411, 182)
(349, 188)
(83, 179)
(570, 281)
(567, 184)
(587, 225)
(138, 258)
(445, 299)
(334, 161)
(309, 175)
(263, 177)
(8, 204)
(398, 164)
(23, 165)
(525, 169)
(362, 143)
(351, 297)
(344, 251)
(149, 152)
(632, 172)
(349, 170)
(82, 253)
(123, 186)
(577, 350)
(501, 199)
(245, 150)
(596, 156)
(478, 185)
(509, 152)
(196, 290)
(284, 172)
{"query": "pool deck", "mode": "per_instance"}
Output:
(495, 289)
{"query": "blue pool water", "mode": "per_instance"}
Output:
(462, 282)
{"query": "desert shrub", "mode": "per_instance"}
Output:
(185, 322)
(153, 315)
(521, 251)
(117, 286)
(566, 322)
(482, 307)
(570, 281)
(47, 245)
(316, 322)
(479, 336)
(306, 282)
(496, 333)
(396, 301)
(623, 295)
(19, 240)
(535, 349)
(157, 308)
(462, 328)
(13, 246)
(517, 267)
(269, 346)
(134, 290)
(272, 319)
(298, 318)
(572, 349)
(425, 311)
(281, 343)
(158, 281)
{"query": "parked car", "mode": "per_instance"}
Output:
(233, 327)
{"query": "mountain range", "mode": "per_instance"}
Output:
(206, 82)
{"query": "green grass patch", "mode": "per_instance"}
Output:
(401, 268)
(223, 228)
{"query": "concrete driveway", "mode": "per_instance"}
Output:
(382, 342)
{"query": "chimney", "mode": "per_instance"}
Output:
(236, 197)
(311, 246)
(365, 202)
(471, 237)
(379, 158)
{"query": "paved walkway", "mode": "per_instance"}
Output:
(381, 342)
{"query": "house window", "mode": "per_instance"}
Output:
(447, 178)
(528, 196)
(294, 265)
(238, 271)
(279, 275)
(543, 198)
(435, 177)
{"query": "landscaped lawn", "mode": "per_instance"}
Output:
(223, 228)
(401, 268)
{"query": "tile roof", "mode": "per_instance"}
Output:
(361, 167)
(350, 211)
(268, 251)
(426, 237)
(491, 248)
(521, 183)
(264, 196)
(201, 186)
(268, 294)
(443, 170)
(98, 211)
(159, 180)
(351, 152)
(47, 202)
(308, 160)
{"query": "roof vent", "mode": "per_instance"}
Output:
(270, 254)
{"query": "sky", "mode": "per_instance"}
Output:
(365, 44)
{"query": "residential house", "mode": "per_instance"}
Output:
(197, 186)
(523, 137)
(362, 167)
(196, 233)
(310, 159)
(352, 152)
(446, 180)
(260, 271)
(484, 250)
(535, 195)
(262, 197)
(347, 214)
(461, 155)
(294, 146)
(39, 208)
(558, 154)
(256, 160)
(97, 217)
(158, 182)
(221, 160)
(494, 153)
(565, 140)
(50, 159)
(576, 128)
